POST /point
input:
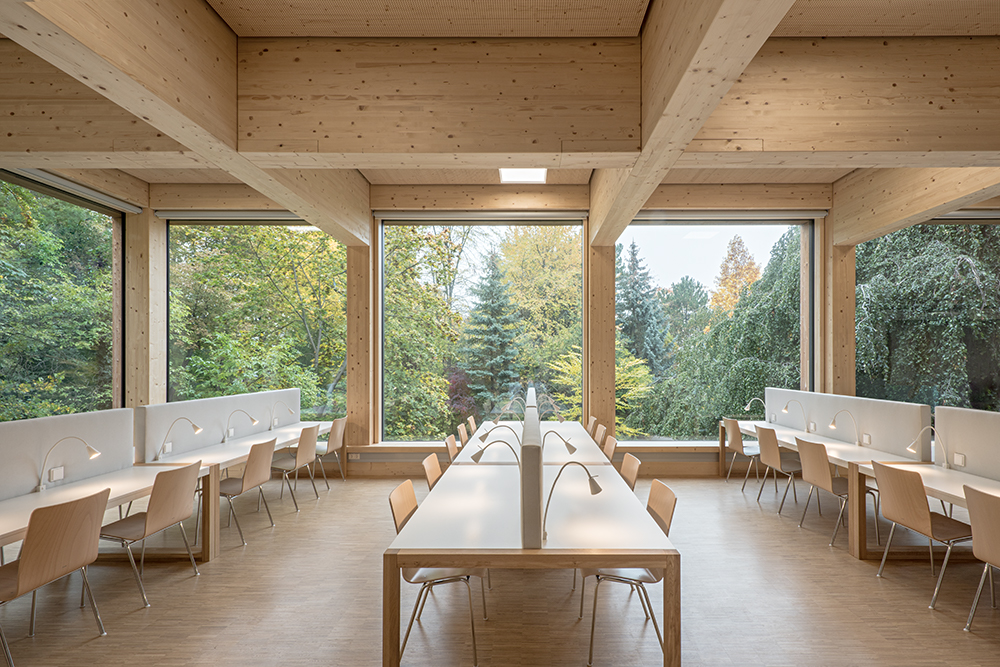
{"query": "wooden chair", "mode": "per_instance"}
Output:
(452, 446)
(403, 503)
(609, 447)
(591, 426)
(169, 504)
(463, 435)
(256, 472)
(60, 539)
(630, 470)
(660, 506)
(816, 471)
(303, 457)
(472, 424)
(984, 513)
(599, 434)
(776, 461)
(735, 442)
(335, 445)
(432, 469)
(904, 502)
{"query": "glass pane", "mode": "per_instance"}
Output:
(468, 310)
(707, 316)
(55, 306)
(928, 316)
(258, 307)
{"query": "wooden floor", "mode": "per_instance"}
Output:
(757, 590)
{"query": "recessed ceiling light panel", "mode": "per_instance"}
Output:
(523, 175)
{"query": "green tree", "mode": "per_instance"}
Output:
(638, 313)
(490, 352)
(737, 272)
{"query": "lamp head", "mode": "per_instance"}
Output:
(254, 421)
(595, 488)
(477, 456)
(833, 424)
(92, 453)
(197, 429)
(785, 409)
(746, 408)
(913, 446)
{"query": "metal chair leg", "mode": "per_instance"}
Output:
(268, 509)
(763, 482)
(340, 464)
(583, 587)
(975, 600)
(291, 493)
(806, 508)
(420, 594)
(993, 590)
(731, 464)
(232, 511)
(574, 582)
(482, 589)
(31, 623)
(791, 478)
(930, 549)
(6, 648)
(313, 480)
(937, 587)
(753, 460)
(322, 469)
(652, 615)
(886, 552)
(93, 603)
(836, 528)
(135, 571)
(188, 547)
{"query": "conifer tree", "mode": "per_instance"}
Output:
(638, 313)
(737, 272)
(490, 353)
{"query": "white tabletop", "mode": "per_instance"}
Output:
(235, 451)
(839, 452)
(554, 451)
(126, 485)
(477, 507)
(942, 483)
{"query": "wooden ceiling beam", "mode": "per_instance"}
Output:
(113, 182)
(172, 64)
(746, 197)
(480, 197)
(208, 197)
(869, 203)
(692, 52)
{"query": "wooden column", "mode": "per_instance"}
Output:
(599, 338)
(145, 309)
(360, 384)
(835, 314)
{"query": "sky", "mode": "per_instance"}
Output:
(671, 252)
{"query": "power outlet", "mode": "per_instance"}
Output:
(354, 457)
(866, 438)
(57, 473)
(274, 422)
(812, 427)
(232, 432)
(772, 419)
(960, 460)
(168, 447)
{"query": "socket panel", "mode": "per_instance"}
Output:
(168, 447)
(354, 457)
(960, 460)
(866, 438)
(57, 473)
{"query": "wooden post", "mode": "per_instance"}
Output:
(390, 609)
(857, 513)
(360, 384)
(835, 314)
(599, 360)
(672, 611)
(145, 309)
(210, 514)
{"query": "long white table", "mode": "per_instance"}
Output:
(471, 519)
(943, 484)
(126, 485)
(845, 455)
(553, 453)
(216, 458)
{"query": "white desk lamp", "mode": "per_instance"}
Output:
(570, 448)
(270, 421)
(483, 437)
(857, 432)
(937, 438)
(478, 456)
(804, 420)
(93, 453)
(253, 420)
(197, 429)
(595, 488)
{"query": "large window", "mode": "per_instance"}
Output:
(706, 316)
(928, 316)
(257, 307)
(56, 295)
(468, 311)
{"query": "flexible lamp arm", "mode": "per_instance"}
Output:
(805, 422)
(478, 456)
(253, 420)
(197, 429)
(857, 431)
(595, 488)
(270, 421)
(45, 461)
(746, 408)
(483, 437)
(570, 448)
(937, 438)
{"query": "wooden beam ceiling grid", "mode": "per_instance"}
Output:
(465, 176)
(890, 18)
(742, 197)
(754, 175)
(416, 18)
(183, 175)
(480, 197)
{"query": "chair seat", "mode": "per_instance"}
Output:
(639, 574)
(8, 581)
(322, 448)
(421, 575)
(231, 486)
(131, 528)
(287, 464)
(946, 529)
(840, 485)
(790, 465)
(750, 450)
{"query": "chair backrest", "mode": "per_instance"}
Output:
(432, 468)
(661, 505)
(452, 447)
(171, 499)
(630, 470)
(337, 431)
(815, 464)
(258, 468)
(610, 445)
(902, 497)
(599, 434)
(770, 453)
(472, 424)
(60, 539)
(733, 435)
(403, 503)
(463, 435)
(305, 451)
(591, 426)
(984, 508)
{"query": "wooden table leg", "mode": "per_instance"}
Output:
(390, 610)
(210, 514)
(722, 449)
(672, 612)
(857, 512)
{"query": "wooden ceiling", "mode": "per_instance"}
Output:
(890, 18)
(433, 18)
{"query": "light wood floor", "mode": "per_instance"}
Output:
(757, 590)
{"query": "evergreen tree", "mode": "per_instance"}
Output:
(737, 272)
(491, 349)
(686, 307)
(638, 313)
